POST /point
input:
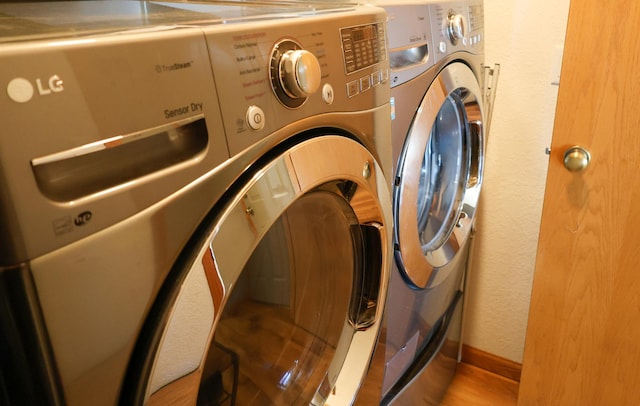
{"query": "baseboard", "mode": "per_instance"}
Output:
(493, 363)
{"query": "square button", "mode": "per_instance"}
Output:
(365, 83)
(375, 78)
(353, 88)
(384, 75)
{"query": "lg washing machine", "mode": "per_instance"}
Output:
(440, 108)
(195, 203)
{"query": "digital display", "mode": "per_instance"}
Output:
(357, 35)
(363, 46)
(362, 34)
(476, 17)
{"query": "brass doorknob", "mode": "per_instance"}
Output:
(576, 158)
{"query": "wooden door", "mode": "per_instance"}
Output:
(583, 336)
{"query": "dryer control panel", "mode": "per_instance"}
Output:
(362, 46)
(269, 75)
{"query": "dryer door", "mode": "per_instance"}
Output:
(439, 176)
(280, 300)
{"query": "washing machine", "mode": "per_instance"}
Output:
(440, 105)
(195, 203)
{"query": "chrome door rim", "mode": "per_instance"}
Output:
(304, 170)
(420, 266)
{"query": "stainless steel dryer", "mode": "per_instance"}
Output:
(438, 135)
(194, 201)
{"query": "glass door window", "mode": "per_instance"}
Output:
(439, 176)
(283, 320)
(443, 175)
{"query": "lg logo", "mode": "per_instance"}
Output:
(21, 90)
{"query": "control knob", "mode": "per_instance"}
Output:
(295, 73)
(456, 27)
(300, 73)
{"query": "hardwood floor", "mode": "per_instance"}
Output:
(266, 342)
(473, 386)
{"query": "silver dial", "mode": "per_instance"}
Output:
(295, 73)
(456, 27)
(300, 73)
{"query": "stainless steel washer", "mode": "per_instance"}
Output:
(439, 137)
(195, 202)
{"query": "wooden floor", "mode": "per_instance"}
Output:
(278, 336)
(479, 387)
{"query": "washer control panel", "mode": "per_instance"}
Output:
(457, 27)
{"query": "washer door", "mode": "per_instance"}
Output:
(439, 176)
(280, 300)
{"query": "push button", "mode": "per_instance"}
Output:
(327, 93)
(384, 75)
(353, 88)
(365, 83)
(375, 78)
(255, 118)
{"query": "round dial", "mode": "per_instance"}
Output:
(456, 27)
(295, 73)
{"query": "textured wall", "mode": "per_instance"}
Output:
(526, 38)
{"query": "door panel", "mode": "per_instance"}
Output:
(438, 176)
(312, 222)
(583, 333)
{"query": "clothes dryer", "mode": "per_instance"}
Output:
(195, 203)
(439, 137)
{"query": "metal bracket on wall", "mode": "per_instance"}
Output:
(489, 79)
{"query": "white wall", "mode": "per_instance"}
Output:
(526, 37)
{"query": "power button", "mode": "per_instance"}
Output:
(255, 118)
(327, 93)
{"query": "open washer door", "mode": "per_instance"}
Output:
(439, 177)
(279, 299)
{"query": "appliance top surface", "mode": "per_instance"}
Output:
(32, 21)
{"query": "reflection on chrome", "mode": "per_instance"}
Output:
(303, 258)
